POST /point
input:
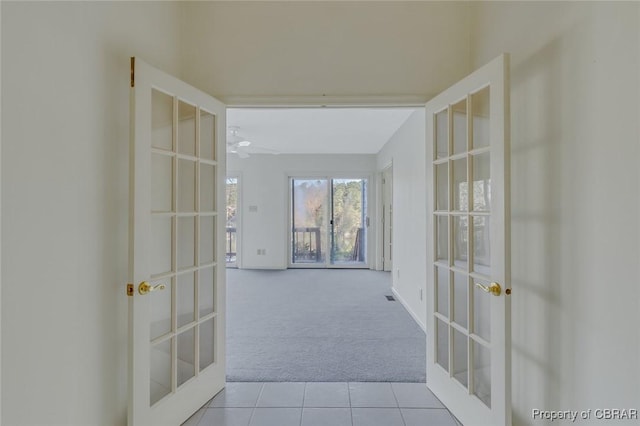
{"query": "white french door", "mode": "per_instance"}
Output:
(176, 256)
(468, 314)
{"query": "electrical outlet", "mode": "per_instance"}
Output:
(420, 293)
(398, 273)
(262, 252)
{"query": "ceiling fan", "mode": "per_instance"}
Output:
(239, 145)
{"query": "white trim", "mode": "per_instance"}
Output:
(415, 317)
(315, 101)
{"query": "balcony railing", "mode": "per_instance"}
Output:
(307, 245)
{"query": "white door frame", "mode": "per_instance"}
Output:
(387, 217)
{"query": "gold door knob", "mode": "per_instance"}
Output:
(145, 287)
(493, 288)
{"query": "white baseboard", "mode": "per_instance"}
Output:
(406, 306)
(263, 267)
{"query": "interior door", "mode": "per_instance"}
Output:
(176, 264)
(469, 331)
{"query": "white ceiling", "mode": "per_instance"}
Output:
(318, 130)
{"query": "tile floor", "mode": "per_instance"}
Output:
(323, 404)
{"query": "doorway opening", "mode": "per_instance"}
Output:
(311, 230)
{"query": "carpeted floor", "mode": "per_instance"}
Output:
(319, 325)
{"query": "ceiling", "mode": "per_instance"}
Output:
(318, 130)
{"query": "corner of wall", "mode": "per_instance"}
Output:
(415, 316)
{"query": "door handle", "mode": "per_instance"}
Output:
(145, 287)
(493, 288)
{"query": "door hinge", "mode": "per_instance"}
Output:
(133, 71)
(130, 290)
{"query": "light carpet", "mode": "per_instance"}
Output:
(319, 325)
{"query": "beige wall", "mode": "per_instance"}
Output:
(575, 201)
(325, 48)
(65, 137)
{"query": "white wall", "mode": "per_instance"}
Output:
(264, 185)
(65, 138)
(575, 200)
(406, 149)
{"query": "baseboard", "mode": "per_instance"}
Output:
(263, 267)
(408, 309)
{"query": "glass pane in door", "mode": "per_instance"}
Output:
(481, 110)
(186, 355)
(459, 126)
(482, 373)
(183, 212)
(461, 222)
(309, 220)
(348, 221)
(160, 371)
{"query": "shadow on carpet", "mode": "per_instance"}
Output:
(313, 325)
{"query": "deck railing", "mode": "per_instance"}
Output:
(307, 245)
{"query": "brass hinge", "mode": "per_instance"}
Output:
(133, 71)
(130, 290)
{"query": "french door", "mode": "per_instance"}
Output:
(328, 222)
(176, 265)
(468, 315)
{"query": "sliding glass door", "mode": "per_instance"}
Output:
(328, 222)
(232, 221)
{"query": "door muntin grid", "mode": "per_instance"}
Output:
(183, 248)
(461, 218)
